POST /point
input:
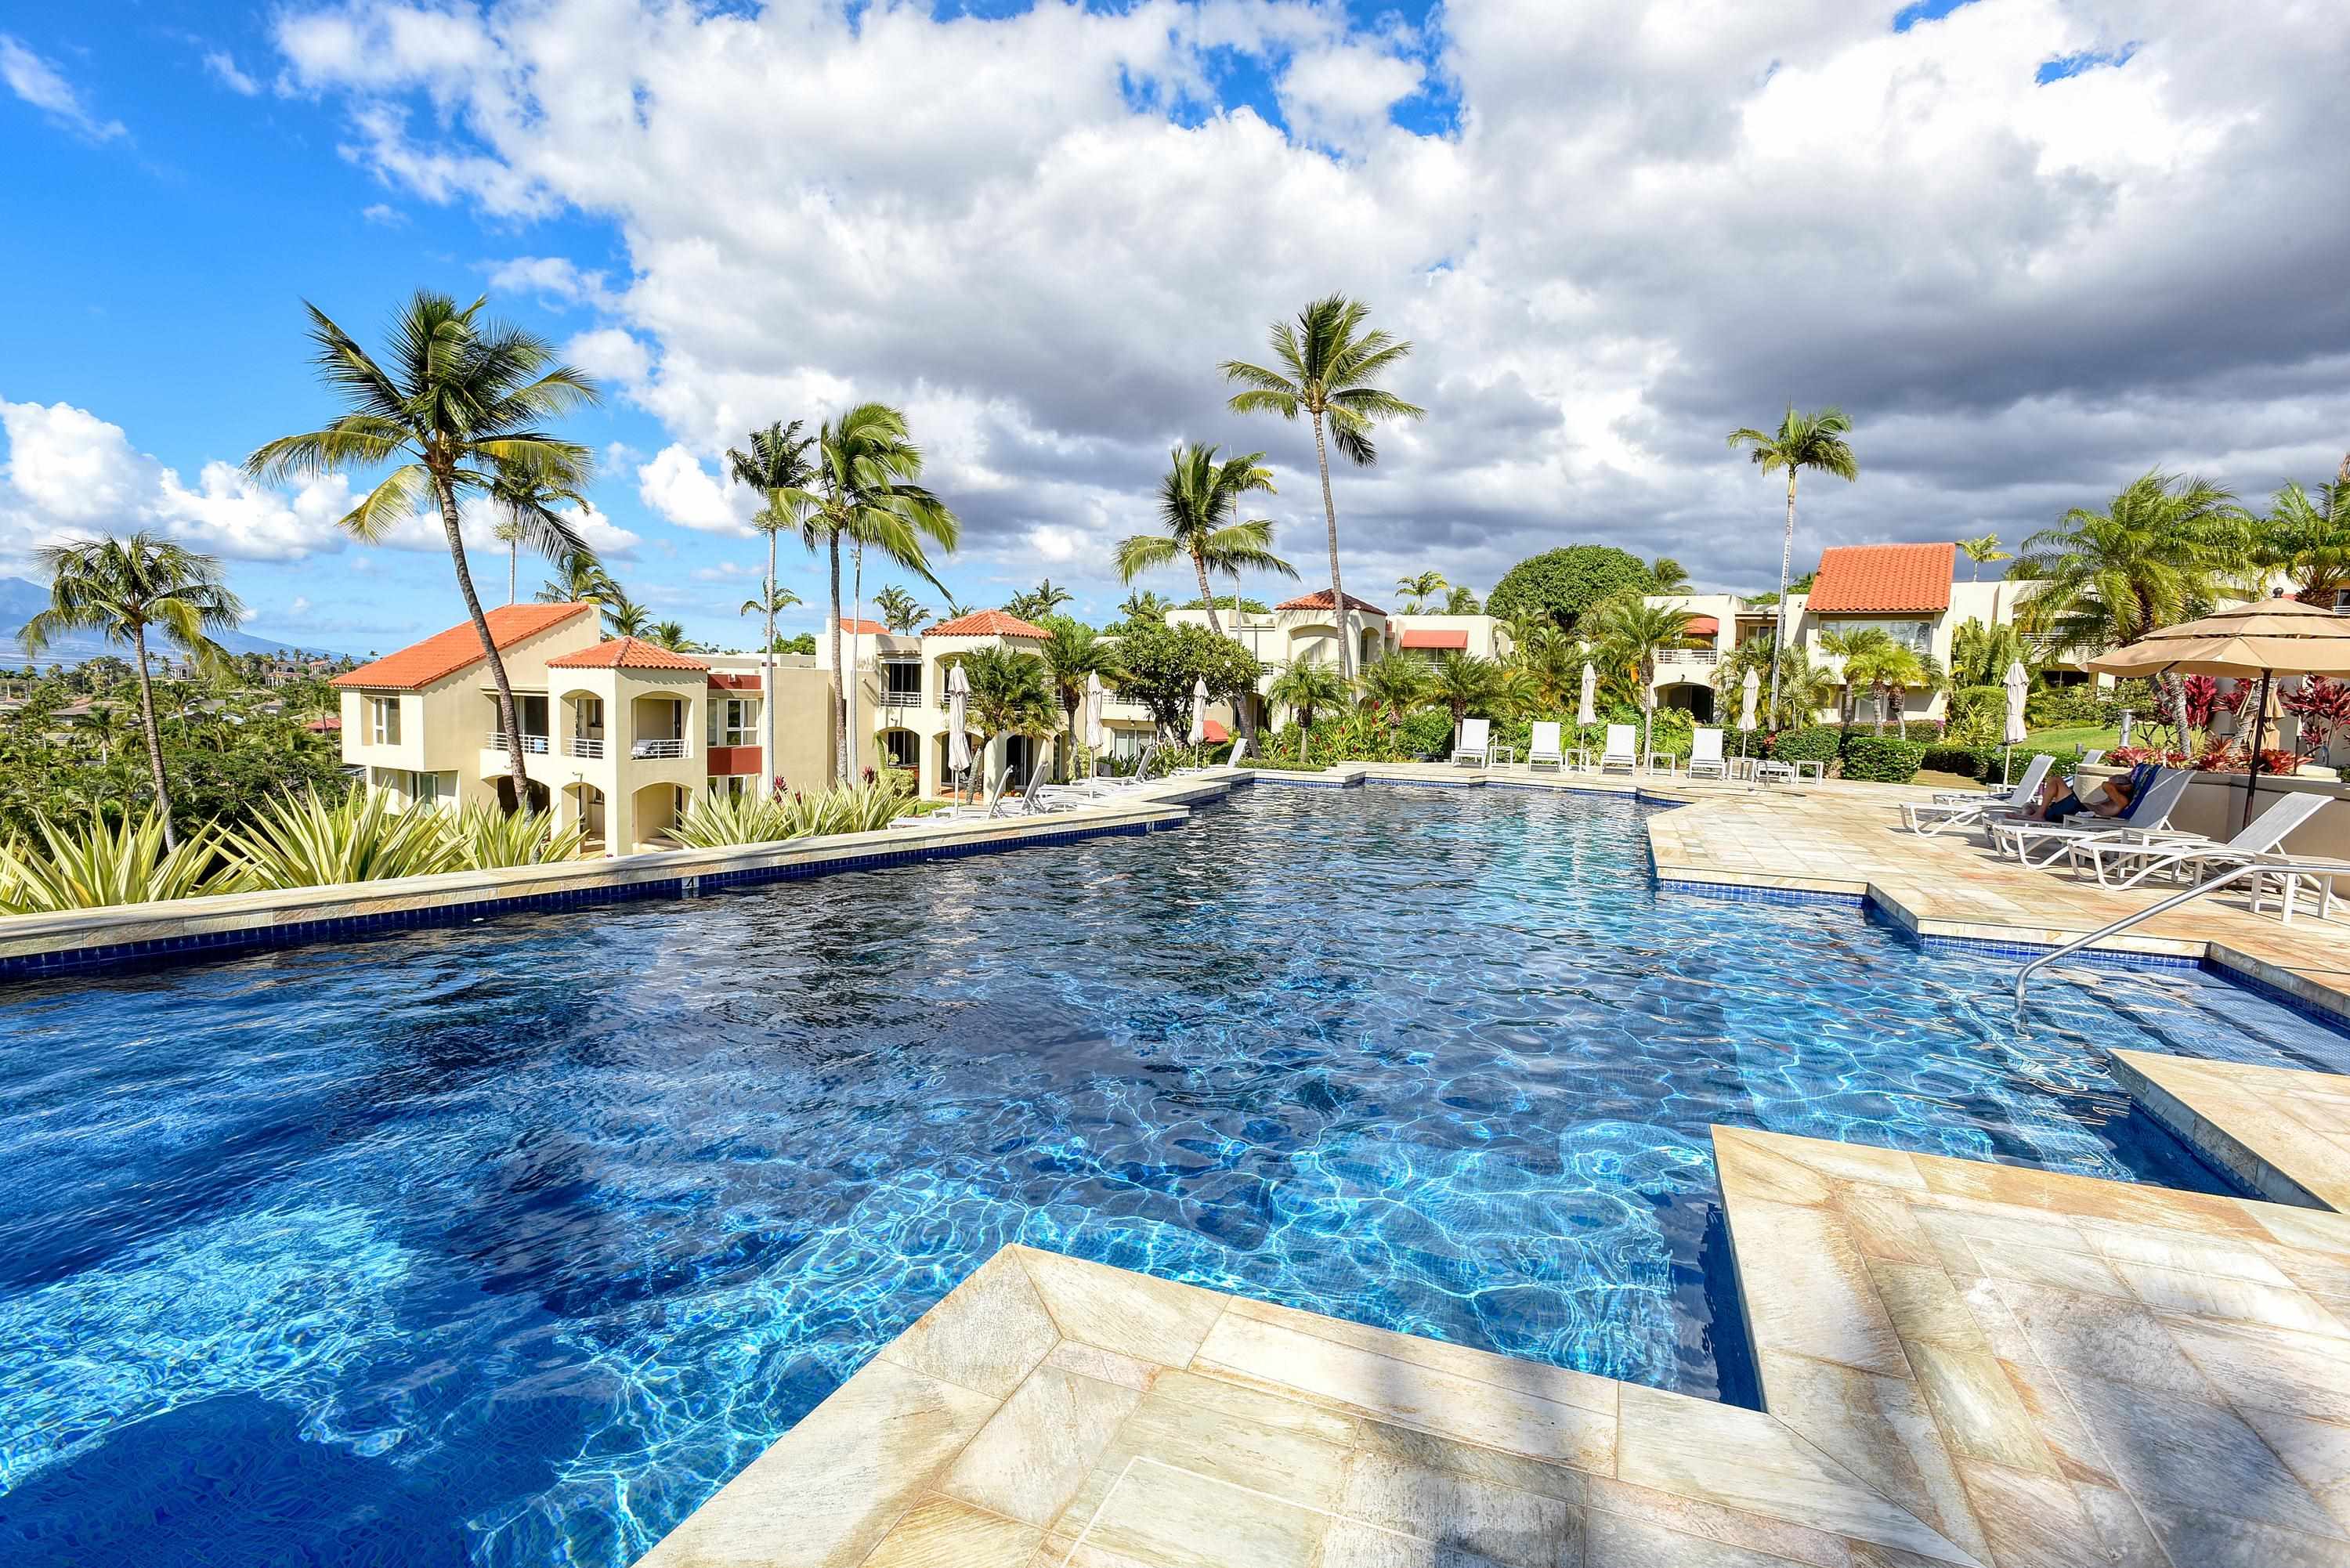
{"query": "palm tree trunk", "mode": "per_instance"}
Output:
(768, 674)
(1786, 565)
(514, 567)
(1208, 595)
(154, 734)
(508, 722)
(839, 705)
(1338, 592)
(856, 675)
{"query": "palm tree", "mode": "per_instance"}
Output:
(1327, 366)
(1461, 681)
(627, 619)
(1980, 655)
(1011, 694)
(1631, 633)
(2308, 537)
(1546, 663)
(120, 588)
(581, 580)
(777, 464)
(898, 610)
(1801, 441)
(1039, 601)
(1196, 502)
(1395, 681)
(1857, 643)
(1462, 601)
(2159, 553)
(1073, 652)
(1982, 551)
(1417, 591)
(864, 491)
(1871, 658)
(1144, 606)
(1667, 575)
(1306, 685)
(463, 402)
(525, 504)
(670, 634)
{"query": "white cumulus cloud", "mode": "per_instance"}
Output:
(676, 485)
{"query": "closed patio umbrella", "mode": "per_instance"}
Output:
(2257, 639)
(1748, 689)
(2017, 681)
(1094, 714)
(1587, 712)
(958, 708)
(1199, 711)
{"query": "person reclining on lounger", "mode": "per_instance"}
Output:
(2117, 799)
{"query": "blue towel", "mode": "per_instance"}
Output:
(2141, 779)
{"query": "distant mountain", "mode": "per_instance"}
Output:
(20, 601)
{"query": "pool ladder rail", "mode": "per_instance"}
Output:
(2226, 878)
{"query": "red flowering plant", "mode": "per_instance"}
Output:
(2322, 706)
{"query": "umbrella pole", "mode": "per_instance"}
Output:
(2260, 726)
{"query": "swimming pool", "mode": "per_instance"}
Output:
(509, 1243)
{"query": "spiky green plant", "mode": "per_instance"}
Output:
(302, 841)
(94, 863)
(486, 838)
(716, 821)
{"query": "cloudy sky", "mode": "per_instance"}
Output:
(2033, 247)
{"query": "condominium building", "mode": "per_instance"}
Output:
(901, 698)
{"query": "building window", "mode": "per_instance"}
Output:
(901, 682)
(734, 786)
(734, 721)
(902, 748)
(429, 791)
(383, 720)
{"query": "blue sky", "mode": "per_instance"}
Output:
(2005, 226)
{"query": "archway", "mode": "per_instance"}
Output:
(535, 795)
(901, 749)
(584, 803)
(655, 808)
(1695, 701)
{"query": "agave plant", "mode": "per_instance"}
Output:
(716, 821)
(487, 838)
(94, 865)
(304, 842)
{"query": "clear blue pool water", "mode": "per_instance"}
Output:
(508, 1244)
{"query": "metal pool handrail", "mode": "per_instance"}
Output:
(2306, 869)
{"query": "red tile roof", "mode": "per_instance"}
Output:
(851, 626)
(420, 664)
(1320, 599)
(627, 653)
(1431, 638)
(1878, 580)
(986, 623)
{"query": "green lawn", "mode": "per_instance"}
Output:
(2086, 737)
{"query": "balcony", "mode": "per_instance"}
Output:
(535, 745)
(583, 746)
(900, 699)
(646, 750)
(1688, 658)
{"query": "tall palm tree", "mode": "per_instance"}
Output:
(864, 491)
(1308, 684)
(778, 463)
(1631, 633)
(1074, 652)
(2160, 550)
(523, 504)
(1327, 366)
(579, 580)
(898, 610)
(769, 603)
(1196, 502)
(1039, 601)
(1462, 601)
(670, 634)
(2308, 537)
(462, 401)
(1461, 681)
(1983, 550)
(1801, 441)
(1667, 575)
(627, 619)
(121, 587)
(1417, 590)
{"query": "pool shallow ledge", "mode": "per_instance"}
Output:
(1928, 1399)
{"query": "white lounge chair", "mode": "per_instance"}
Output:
(2125, 864)
(1543, 746)
(1240, 749)
(2149, 820)
(1040, 798)
(1705, 754)
(1476, 743)
(1960, 808)
(1104, 784)
(970, 811)
(1617, 751)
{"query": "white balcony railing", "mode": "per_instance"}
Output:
(1685, 658)
(656, 748)
(535, 745)
(901, 699)
(583, 746)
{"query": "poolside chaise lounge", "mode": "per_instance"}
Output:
(1972, 808)
(1543, 746)
(1617, 751)
(1103, 786)
(970, 810)
(2127, 862)
(2148, 819)
(1240, 749)
(1705, 754)
(1476, 743)
(1041, 798)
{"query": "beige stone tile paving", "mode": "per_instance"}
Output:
(2285, 1133)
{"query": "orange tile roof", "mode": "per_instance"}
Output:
(1432, 639)
(443, 654)
(852, 626)
(1878, 580)
(627, 653)
(1320, 599)
(986, 623)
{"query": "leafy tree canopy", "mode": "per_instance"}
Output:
(1158, 665)
(1562, 585)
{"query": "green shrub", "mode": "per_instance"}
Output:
(1967, 761)
(1814, 743)
(1877, 759)
(1427, 733)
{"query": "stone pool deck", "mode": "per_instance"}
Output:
(2283, 1133)
(1960, 1363)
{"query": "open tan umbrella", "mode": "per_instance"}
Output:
(2260, 639)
